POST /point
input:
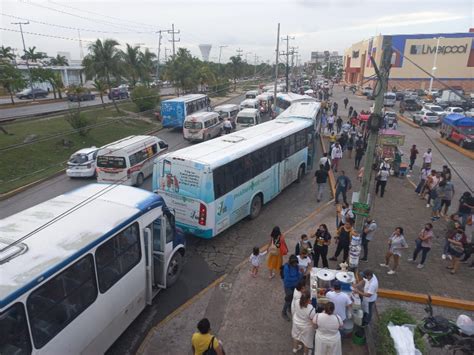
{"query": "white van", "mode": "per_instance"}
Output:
(128, 161)
(265, 102)
(252, 94)
(247, 117)
(389, 99)
(202, 126)
(228, 111)
(249, 103)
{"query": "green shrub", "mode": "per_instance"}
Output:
(397, 316)
(220, 89)
(145, 98)
(80, 121)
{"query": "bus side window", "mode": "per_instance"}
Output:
(169, 227)
(15, 337)
(116, 257)
(157, 235)
(61, 299)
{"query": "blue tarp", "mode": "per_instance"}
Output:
(458, 120)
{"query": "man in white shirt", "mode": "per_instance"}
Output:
(368, 234)
(325, 161)
(336, 155)
(369, 294)
(342, 302)
(331, 120)
(346, 214)
(427, 158)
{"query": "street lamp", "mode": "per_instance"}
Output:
(434, 64)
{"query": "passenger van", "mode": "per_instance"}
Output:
(228, 111)
(389, 99)
(128, 161)
(202, 126)
(265, 102)
(252, 94)
(247, 117)
(249, 103)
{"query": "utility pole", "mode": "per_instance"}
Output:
(293, 54)
(159, 52)
(246, 54)
(220, 52)
(166, 53)
(277, 54)
(24, 51)
(172, 33)
(287, 39)
(239, 52)
(374, 124)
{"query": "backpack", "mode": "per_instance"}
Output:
(210, 349)
(327, 166)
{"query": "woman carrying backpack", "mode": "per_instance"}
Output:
(203, 342)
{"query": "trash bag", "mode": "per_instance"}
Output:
(465, 324)
(402, 339)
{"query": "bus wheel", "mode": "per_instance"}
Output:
(255, 207)
(139, 181)
(174, 269)
(300, 174)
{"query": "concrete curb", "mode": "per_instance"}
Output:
(454, 146)
(407, 121)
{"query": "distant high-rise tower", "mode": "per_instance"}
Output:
(205, 51)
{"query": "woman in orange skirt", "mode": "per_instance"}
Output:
(275, 256)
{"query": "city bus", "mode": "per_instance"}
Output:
(214, 184)
(284, 100)
(310, 110)
(78, 269)
(174, 111)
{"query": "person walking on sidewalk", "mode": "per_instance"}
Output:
(350, 146)
(457, 242)
(413, 154)
(328, 337)
(335, 106)
(332, 141)
(342, 302)
(256, 259)
(343, 241)
(302, 330)
(336, 156)
(425, 172)
(321, 179)
(447, 196)
(359, 153)
(370, 285)
(343, 184)
(304, 243)
(338, 124)
(382, 177)
(368, 234)
(346, 101)
(291, 277)
(203, 340)
(351, 109)
(466, 207)
(396, 243)
(427, 157)
(331, 120)
(424, 243)
(321, 245)
(325, 162)
(275, 258)
(452, 225)
(432, 184)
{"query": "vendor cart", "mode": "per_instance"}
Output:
(388, 150)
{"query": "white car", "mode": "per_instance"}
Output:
(454, 110)
(438, 110)
(367, 91)
(469, 113)
(82, 163)
(426, 117)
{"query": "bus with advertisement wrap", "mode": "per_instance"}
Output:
(215, 184)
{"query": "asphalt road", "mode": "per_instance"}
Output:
(36, 107)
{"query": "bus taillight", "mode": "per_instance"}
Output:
(202, 214)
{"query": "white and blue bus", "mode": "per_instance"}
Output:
(285, 100)
(174, 111)
(214, 184)
(305, 109)
(78, 269)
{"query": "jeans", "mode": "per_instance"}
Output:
(424, 253)
(365, 246)
(382, 185)
(323, 252)
(420, 186)
(446, 246)
(412, 162)
(335, 163)
(342, 247)
(357, 161)
(288, 299)
(368, 316)
(342, 190)
(320, 191)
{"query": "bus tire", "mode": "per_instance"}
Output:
(300, 174)
(255, 207)
(139, 180)
(174, 269)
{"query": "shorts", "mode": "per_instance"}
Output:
(446, 203)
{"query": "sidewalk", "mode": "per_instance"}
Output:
(245, 312)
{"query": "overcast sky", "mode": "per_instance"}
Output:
(251, 25)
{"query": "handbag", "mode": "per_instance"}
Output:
(283, 246)
(210, 349)
(273, 249)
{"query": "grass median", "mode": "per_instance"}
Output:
(54, 142)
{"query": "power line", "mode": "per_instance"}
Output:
(44, 35)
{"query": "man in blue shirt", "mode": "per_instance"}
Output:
(291, 277)
(343, 184)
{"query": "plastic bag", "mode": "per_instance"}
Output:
(402, 338)
(465, 324)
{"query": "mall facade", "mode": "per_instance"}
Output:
(454, 61)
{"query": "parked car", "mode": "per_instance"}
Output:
(454, 110)
(426, 117)
(85, 96)
(436, 109)
(399, 95)
(82, 163)
(32, 93)
(118, 93)
(410, 105)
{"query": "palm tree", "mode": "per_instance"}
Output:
(33, 55)
(101, 88)
(132, 64)
(59, 60)
(11, 79)
(235, 68)
(148, 65)
(103, 61)
(206, 76)
(6, 53)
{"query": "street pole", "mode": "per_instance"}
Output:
(255, 67)
(434, 64)
(287, 39)
(158, 57)
(24, 51)
(220, 52)
(374, 125)
(277, 53)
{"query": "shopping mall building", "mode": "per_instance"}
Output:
(454, 63)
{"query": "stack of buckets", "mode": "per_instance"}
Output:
(354, 251)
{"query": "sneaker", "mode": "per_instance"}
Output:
(410, 259)
(383, 265)
(420, 266)
(428, 205)
(443, 256)
(298, 348)
(391, 272)
(450, 257)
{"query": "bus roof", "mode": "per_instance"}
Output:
(292, 97)
(128, 142)
(187, 98)
(54, 233)
(220, 150)
(304, 109)
(226, 107)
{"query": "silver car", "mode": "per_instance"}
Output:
(426, 117)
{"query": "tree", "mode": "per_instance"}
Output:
(49, 76)
(148, 64)
(6, 54)
(182, 70)
(145, 98)
(103, 61)
(32, 55)
(101, 88)
(59, 60)
(132, 64)
(235, 69)
(11, 79)
(206, 75)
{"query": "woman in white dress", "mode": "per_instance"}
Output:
(302, 330)
(328, 338)
(299, 290)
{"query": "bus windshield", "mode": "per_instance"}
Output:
(104, 161)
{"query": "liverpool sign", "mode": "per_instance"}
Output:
(426, 49)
